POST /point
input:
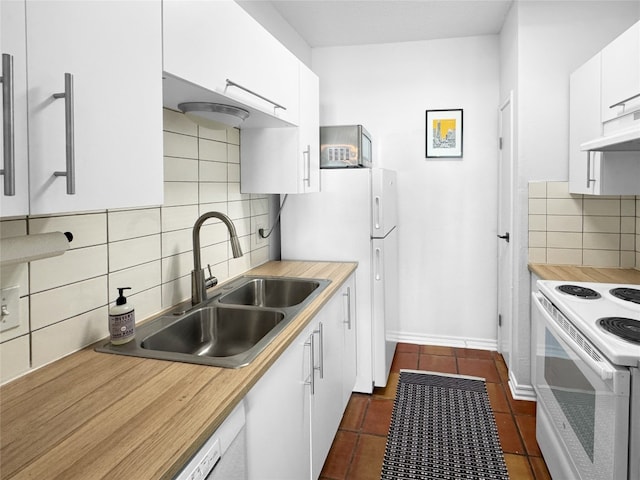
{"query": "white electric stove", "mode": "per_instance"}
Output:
(586, 378)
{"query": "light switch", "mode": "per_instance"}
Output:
(9, 308)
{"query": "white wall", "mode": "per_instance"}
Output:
(541, 44)
(447, 208)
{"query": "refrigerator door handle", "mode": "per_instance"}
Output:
(377, 213)
(377, 264)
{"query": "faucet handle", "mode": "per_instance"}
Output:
(210, 281)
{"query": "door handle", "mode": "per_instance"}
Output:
(504, 237)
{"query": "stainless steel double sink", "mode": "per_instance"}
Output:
(228, 330)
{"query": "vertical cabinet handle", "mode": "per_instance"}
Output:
(311, 378)
(589, 168)
(307, 165)
(348, 295)
(320, 332)
(70, 173)
(9, 154)
(377, 208)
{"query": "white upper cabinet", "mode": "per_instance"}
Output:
(285, 160)
(604, 99)
(621, 75)
(14, 123)
(102, 61)
(209, 42)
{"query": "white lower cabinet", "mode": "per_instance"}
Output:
(294, 410)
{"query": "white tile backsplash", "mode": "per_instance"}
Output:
(147, 249)
(87, 230)
(136, 251)
(60, 339)
(52, 306)
(212, 150)
(128, 224)
(180, 169)
(602, 231)
(73, 266)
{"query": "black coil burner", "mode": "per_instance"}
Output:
(626, 328)
(576, 291)
(628, 294)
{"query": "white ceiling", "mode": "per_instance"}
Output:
(323, 23)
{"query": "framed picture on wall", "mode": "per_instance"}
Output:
(444, 133)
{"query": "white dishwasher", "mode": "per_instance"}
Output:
(223, 456)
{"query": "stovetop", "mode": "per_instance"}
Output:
(596, 303)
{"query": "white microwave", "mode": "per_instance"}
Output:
(344, 146)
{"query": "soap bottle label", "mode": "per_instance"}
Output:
(122, 327)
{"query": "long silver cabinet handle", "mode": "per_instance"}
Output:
(70, 173)
(311, 379)
(348, 295)
(320, 333)
(231, 83)
(8, 125)
(307, 165)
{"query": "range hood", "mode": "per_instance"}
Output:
(176, 91)
(626, 140)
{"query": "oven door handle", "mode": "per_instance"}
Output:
(605, 370)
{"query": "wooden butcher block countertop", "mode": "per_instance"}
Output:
(101, 416)
(572, 273)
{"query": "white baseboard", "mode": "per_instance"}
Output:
(521, 392)
(444, 341)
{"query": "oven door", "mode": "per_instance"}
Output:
(583, 401)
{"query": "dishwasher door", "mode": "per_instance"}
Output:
(223, 455)
(232, 464)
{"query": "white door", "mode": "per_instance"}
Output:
(505, 252)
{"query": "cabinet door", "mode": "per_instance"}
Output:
(278, 417)
(207, 42)
(12, 42)
(309, 131)
(326, 400)
(113, 51)
(584, 124)
(285, 160)
(621, 74)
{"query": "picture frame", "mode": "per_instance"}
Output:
(443, 132)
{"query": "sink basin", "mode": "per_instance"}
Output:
(241, 318)
(214, 332)
(271, 292)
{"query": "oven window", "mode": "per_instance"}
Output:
(573, 392)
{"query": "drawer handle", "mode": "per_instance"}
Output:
(234, 84)
(9, 153)
(70, 172)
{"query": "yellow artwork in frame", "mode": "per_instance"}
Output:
(444, 133)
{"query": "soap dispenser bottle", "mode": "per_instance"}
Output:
(122, 320)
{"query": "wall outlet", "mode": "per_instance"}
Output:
(259, 239)
(9, 308)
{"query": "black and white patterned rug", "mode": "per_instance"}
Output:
(442, 427)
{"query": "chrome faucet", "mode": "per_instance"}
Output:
(198, 281)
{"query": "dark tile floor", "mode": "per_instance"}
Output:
(358, 448)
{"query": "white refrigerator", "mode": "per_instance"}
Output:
(353, 218)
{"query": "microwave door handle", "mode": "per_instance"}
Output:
(605, 371)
